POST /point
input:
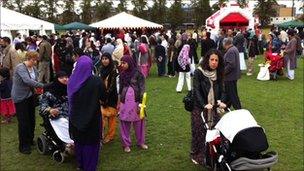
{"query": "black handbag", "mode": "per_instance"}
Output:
(188, 101)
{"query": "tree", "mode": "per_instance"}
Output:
(33, 9)
(20, 5)
(103, 9)
(51, 10)
(68, 15)
(140, 8)
(265, 11)
(242, 3)
(215, 7)
(8, 4)
(122, 6)
(202, 11)
(158, 12)
(86, 11)
(176, 16)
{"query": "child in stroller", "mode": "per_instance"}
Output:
(237, 142)
(54, 111)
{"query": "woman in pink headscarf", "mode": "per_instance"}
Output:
(183, 68)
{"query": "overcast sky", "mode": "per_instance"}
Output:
(288, 3)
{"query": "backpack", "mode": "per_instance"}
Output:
(188, 101)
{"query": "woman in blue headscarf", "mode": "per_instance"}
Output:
(85, 92)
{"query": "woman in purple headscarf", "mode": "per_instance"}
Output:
(132, 87)
(85, 92)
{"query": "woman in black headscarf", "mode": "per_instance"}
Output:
(108, 75)
(54, 99)
(54, 103)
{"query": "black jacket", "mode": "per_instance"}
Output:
(201, 87)
(85, 116)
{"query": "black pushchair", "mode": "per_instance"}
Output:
(237, 142)
(51, 141)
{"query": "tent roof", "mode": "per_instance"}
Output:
(292, 23)
(59, 27)
(77, 25)
(12, 20)
(234, 18)
(124, 20)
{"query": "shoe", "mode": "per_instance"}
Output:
(144, 147)
(127, 149)
(179, 92)
(249, 74)
(4, 122)
(194, 162)
(25, 151)
(33, 143)
(107, 141)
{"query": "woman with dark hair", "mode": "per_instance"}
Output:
(108, 75)
(208, 93)
(132, 87)
(161, 58)
(21, 51)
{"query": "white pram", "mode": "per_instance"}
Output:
(237, 142)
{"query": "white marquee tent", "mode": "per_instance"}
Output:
(126, 21)
(14, 21)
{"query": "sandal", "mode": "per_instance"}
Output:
(127, 149)
(144, 147)
(194, 162)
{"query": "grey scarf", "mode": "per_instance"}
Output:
(211, 75)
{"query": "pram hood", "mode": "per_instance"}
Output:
(235, 121)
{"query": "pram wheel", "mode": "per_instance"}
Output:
(42, 145)
(58, 156)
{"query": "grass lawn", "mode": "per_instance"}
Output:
(276, 105)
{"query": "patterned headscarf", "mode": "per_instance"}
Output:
(183, 57)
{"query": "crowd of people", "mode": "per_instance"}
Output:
(88, 78)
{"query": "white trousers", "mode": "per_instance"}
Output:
(290, 72)
(181, 79)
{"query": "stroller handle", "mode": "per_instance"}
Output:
(205, 110)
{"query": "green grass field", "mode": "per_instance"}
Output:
(276, 105)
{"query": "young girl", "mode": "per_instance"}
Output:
(132, 87)
(7, 107)
(108, 75)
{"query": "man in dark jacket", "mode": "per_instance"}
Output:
(45, 54)
(207, 44)
(232, 73)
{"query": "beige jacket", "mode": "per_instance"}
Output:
(10, 59)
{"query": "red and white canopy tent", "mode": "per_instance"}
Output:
(232, 16)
